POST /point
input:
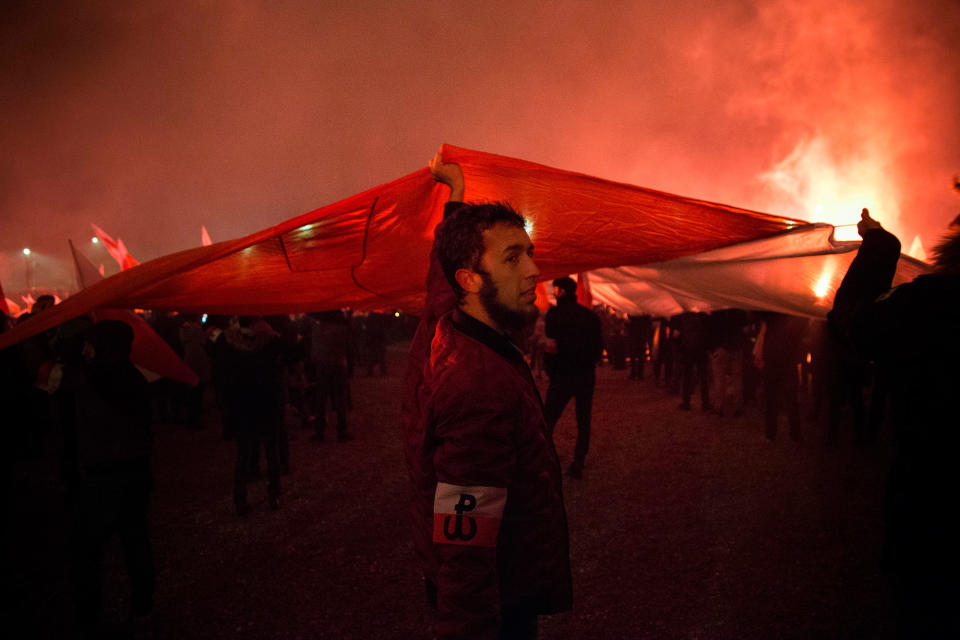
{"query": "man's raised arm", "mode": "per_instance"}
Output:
(449, 174)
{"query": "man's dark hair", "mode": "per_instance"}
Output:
(566, 283)
(460, 237)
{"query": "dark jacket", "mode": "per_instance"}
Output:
(484, 427)
(253, 392)
(911, 330)
(472, 417)
(783, 341)
(113, 416)
(579, 337)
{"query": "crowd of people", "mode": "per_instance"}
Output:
(489, 521)
(480, 449)
(76, 385)
(730, 359)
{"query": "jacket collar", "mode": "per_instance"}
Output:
(499, 342)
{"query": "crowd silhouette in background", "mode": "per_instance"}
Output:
(75, 385)
(734, 358)
(257, 375)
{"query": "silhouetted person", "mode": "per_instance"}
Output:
(537, 344)
(216, 346)
(169, 394)
(846, 372)
(694, 355)
(577, 332)
(329, 353)
(663, 362)
(921, 550)
(819, 344)
(38, 355)
(42, 303)
(614, 339)
(193, 340)
(291, 354)
(375, 342)
(302, 384)
(749, 371)
(726, 360)
(782, 347)
(638, 339)
(71, 346)
(14, 386)
(111, 495)
(253, 405)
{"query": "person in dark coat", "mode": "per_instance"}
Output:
(695, 354)
(579, 337)
(14, 386)
(216, 348)
(375, 342)
(329, 351)
(169, 395)
(667, 328)
(254, 404)
(921, 549)
(111, 491)
(193, 341)
(638, 339)
(781, 353)
(490, 526)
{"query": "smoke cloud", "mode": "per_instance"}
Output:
(151, 119)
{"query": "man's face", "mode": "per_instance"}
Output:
(509, 276)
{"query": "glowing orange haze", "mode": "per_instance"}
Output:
(151, 118)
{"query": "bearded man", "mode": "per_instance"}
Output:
(490, 524)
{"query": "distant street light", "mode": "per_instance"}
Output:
(28, 267)
(95, 240)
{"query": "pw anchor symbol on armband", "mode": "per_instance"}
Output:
(467, 503)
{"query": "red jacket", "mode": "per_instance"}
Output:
(490, 525)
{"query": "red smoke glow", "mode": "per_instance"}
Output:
(146, 117)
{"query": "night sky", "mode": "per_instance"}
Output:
(151, 119)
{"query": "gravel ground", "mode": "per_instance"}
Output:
(685, 525)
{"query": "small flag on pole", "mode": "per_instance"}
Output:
(116, 249)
